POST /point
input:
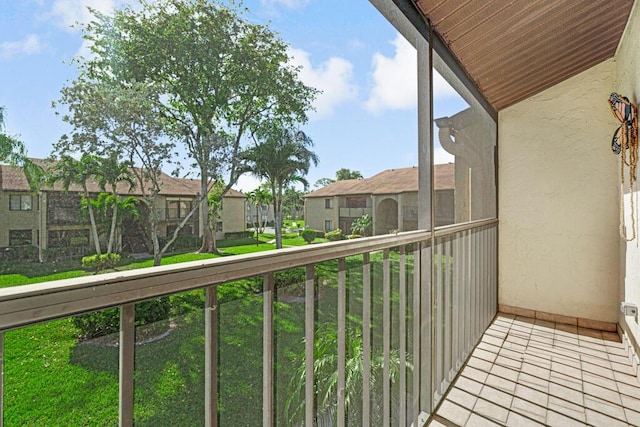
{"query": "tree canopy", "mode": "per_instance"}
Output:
(280, 157)
(13, 152)
(218, 76)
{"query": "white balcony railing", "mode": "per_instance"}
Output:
(413, 337)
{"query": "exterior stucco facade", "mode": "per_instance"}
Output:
(627, 83)
(558, 200)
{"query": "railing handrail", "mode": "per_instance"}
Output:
(28, 304)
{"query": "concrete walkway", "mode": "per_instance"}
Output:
(529, 372)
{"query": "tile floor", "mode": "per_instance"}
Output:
(528, 372)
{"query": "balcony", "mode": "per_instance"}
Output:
(354, 212)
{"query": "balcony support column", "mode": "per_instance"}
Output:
(211, 357)
(309, 337)
(267, 352)
(1, 378)
(127, 360)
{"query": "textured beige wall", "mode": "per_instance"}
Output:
(559, 247)
(627, 83)
(17, 220)
(315, 213)
(234, 215)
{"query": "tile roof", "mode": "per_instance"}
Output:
(391, 181)
(13, 179)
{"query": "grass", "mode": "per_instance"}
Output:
(53, 379)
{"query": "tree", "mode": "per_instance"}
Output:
(292, 203)
(345, 173)
(219, 75)
(110, 118)
(259, 197)
(281, 157)
(341, 174)
(362, 225)
(216, 191)
(71, 171)
(13, 151)
(112, 172)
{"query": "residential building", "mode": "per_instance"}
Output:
(528, 316)
(54, 218)
(390, 198)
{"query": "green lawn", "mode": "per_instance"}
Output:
(52, 378)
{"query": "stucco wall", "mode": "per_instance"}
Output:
(627, 83)
(234, 216)
(17, 220)
(559, 247)
(315, 212)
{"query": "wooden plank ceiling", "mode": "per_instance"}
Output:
(513, 49)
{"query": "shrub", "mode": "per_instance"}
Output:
(354, 236)
(100, 262)
(334, 235)
(238, 235)
(19, 253)
(308, 235)
(107, 322)
(183, 242)
(289, 277)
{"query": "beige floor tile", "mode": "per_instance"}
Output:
(532, 395)
(595, 418)
(571, 395)
(501, 384)
(492, 340)
(436, 423)
(536, 371)
(629, 390)
(555, 419)
(528, 409)
(633, 417)
(602, 393)
(571, 382)
(509, 362)
(479, 364)
(567, 408)
(484, 355)
(570, 369)
(598, 370)
(496, 396)
(491, 411)
(599, 381)
(468, 385)
(603, 407)
(624, 368)
(454, 413)
(476, 420)
(517, 420)
(475, 374)
(629, 402)
(632, 380)
(533, 382)
(462, 398)
(504, 372)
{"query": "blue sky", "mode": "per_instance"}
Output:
(366, 117)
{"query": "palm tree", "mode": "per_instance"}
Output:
(14, 152)
(112, 172)
(281, 157)
(259, 197)
(71, 171)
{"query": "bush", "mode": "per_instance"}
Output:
(289, 277)
(184, 242)
(19, 253)
(238, 235)
(107, 322)
(100, 262)
(308, 235)
(355, 236)
(334, 235)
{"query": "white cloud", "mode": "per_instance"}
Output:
(67, 13)
(334, 78)
(395, 81)
(247, 183)
(30, 45)
(441, 156)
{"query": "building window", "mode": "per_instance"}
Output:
(20, 202)
(20, 237)
(328, 203)
(178, 209)
(328, 225)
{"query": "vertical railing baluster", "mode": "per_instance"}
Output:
(342, 348)
(417, 277)
(386, 338)
(402, 332)
(127, 359)
(366, 339)
(1, 378)
(474, 288)
(309, 337)
(457, 333)
(494, 265)
(485, 274)
(438, 326)
(427, 346)
(448, 326)
(267, 351)
(211, 357)
(468, 312)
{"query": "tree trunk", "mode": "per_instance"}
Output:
(94, 229)
(114, 223)
(277, 213)
(208, 238)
